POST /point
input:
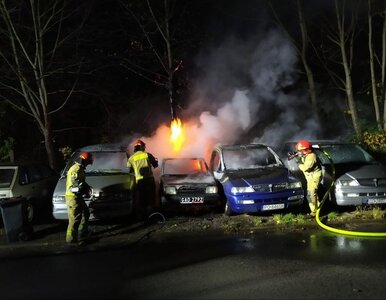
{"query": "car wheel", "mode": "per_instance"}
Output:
(228, 211)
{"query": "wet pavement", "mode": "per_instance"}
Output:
(49, 238)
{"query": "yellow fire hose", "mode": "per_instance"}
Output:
(336, 230)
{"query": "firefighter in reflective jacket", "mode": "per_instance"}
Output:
(312, 170)
(141, 163)
(76, 190)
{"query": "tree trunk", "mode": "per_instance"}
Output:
(309, 73)
(347, 72)
(372, 71)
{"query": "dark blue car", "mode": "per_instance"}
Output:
(254, 179)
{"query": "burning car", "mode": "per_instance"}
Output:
(187, 183)
(254, 179)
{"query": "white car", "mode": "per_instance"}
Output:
(32, 181)
(110, 179)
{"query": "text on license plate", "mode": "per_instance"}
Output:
(273, 206)
(190, 200)
(376, 201)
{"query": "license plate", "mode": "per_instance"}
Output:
(273, 206)
(191, 200)
(376, 201)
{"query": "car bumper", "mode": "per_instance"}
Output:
(98, 211)
(176, 200)
(253, 203)
(360, 196)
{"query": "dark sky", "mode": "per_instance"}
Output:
(245, 81)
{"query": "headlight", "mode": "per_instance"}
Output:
(243, 189)
(170, 190)
(295, 185)
(349, 182)
(58, 199)
(211, 190)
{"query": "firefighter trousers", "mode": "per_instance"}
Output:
(78, 216)
(313, 181)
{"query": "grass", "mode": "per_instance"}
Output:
(363, 213)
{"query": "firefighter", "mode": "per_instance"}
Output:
(76, 189)
(141, 164)
(311, 167)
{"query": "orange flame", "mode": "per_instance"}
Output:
(177, 137)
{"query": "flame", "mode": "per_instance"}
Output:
(177, 135)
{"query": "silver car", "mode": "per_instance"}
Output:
(111, 182)
(359, 178)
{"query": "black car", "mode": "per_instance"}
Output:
(187, 183)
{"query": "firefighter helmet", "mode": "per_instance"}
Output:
(303, 146)
(139, 143)
(87, 157)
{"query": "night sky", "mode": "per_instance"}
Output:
(241, 78)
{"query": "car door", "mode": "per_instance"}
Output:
(28, 185)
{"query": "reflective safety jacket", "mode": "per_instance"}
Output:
(76, 177)
(310, 163)
(141, 163)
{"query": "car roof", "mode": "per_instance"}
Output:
(239, 146)
(323, 142)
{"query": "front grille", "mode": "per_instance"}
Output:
(381, 194)
(187, 189)
(373, 182)
(270, 188)
(114, 197)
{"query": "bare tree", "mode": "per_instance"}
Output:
(372, 68)
(346, 39)
(383, 67)
(32, 36)
(302, 49)
(154, 21)
(340, 54)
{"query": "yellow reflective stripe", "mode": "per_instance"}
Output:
(140, 156)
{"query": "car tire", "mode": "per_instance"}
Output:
(228, 211)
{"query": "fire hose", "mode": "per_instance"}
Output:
(337, 230)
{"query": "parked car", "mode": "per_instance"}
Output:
(110, 180)
(32, 181)
(187, 183)
(359, 178)
(254, 179)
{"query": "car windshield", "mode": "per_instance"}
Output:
(345, 153)
(184, 166)
(105, 162)
(248, 158)
(6, 176)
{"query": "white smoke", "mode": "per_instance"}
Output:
(242, 96)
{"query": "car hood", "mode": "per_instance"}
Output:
(365, 171)
(259, 176)
(187, 179)
(100, 183)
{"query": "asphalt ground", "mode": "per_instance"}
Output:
(48, 236)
